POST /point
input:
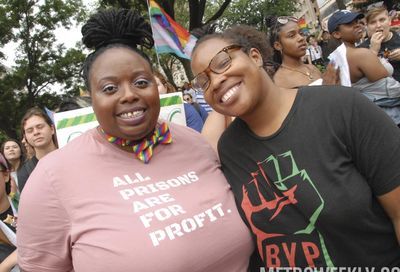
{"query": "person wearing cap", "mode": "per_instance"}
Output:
(8, 257)
(381, 40)
(368, 73)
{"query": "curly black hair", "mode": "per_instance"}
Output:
(247, 37)
(274, 28)
(114, 28)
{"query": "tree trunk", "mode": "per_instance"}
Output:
(188, 69)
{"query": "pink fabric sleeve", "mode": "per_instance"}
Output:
(43, 237)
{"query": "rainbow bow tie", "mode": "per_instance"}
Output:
(144, 149)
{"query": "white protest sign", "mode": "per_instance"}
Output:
(172, 108)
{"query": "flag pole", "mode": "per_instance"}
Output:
(152, 30)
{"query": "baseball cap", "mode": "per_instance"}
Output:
(342, 17)
(3, 161)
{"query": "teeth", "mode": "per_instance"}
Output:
(131, 114)
(229, 93)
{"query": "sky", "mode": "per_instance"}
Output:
(67, 36)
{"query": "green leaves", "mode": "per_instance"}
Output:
(40, 60)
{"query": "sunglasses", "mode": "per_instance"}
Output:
(283, 20)
(220, 63)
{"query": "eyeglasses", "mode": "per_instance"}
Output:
(221, 62)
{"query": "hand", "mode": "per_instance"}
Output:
(376, 40)
(331, 75)
(395, 54)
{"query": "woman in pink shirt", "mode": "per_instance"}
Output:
(133, 194)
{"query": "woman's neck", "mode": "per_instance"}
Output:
(292, 62)
(270, 112)
(15, 164)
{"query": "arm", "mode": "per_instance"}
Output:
(391, 203)
(375, 147)
(44, 239)
(9, 262)
(214, 126)
(369, 65)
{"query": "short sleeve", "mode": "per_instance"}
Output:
(43, 238)
(375, 145)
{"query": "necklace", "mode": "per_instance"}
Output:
(307, 74)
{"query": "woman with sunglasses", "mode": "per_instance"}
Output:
(302, 162)
(135, 193)
(290, 46)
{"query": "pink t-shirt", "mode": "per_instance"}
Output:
(93, 207)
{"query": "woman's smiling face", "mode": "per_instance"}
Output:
(124, 93)
(235, 91)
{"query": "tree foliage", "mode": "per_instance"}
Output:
(253, 12)
(40, 61)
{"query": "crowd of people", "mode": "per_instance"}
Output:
(274, 160)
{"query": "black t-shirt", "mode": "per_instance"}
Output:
(390, 45)
(25, 171)
(308, 192)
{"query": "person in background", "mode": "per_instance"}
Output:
(38, 131)
(201, 101)
(301, 162)
(193, 118)
(12, 150)
(189, 99)
(135, 193)
(8, 214)
(289, 47)
(187, 88)
(28, 149)
(369, 74)
(328, 45)
(314, 51)
(381, 40)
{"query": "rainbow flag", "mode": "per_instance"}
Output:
(302, 23)
(169, 36)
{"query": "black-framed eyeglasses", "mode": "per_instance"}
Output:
(220, 63)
